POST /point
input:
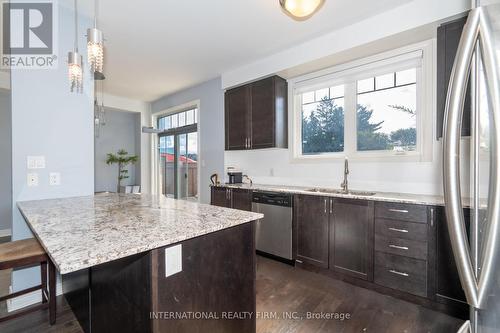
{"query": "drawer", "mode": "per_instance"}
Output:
(402, 247)
(401, 229)
(403, 212)
(401, 273)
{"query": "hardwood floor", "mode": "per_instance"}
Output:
(285, 289)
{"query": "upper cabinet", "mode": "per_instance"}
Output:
(256, 115)
(448, 37)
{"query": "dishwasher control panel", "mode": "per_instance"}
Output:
(268, 198)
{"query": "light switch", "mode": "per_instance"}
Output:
(173, 260)
(55, 178)
(32, 179)
(36, 162)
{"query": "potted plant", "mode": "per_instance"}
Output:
(122, 158)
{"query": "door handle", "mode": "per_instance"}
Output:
(325, 206)
(477, 29)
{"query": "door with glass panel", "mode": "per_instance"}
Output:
(178, 155)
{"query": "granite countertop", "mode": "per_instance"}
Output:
(420, 199)
(81, 232)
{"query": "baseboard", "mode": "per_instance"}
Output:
(5, 232)
(28, 299)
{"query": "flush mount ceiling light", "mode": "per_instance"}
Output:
(301, 9)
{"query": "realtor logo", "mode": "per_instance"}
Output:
(28, 34)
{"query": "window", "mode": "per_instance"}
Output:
(177, 155)
(386, 112)
(323, 121)
(371, 108)
(180, 119)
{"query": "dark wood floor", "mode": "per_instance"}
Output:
(282, 288)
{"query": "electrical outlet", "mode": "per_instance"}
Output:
(36, 162)
(55, 179)
(32, 179)
(173, 260)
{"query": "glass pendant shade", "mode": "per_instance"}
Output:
(75, 72)
(95, 49)
(300, 9)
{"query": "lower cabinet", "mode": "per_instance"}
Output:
(231, 198)
(448, 289)
(241, 199)
(219, 196)
(311, 214)
(351, 238)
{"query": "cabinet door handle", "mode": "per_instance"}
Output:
(398, 273)
(398, 247)
(325, 206)
(398, 210)
(432, 217)
(398, 230)
(331, 206)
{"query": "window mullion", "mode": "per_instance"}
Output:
(350, 119)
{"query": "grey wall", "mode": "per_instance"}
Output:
(49, 120)
(210, 127)
(120, 132)
(5, 161)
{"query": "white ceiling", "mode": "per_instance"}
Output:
(157, 47)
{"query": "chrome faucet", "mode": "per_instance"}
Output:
(345, 184)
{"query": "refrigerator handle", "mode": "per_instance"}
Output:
(476, 29)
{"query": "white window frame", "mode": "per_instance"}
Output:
(420, 55)
(155, 156)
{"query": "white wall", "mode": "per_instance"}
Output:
(143, 141)
(210, 127)
(274, 166)
(5, 163)
(405, 17)
(48, 120)
(120, 132)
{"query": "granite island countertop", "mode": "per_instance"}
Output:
(82, 232)
(408, 198)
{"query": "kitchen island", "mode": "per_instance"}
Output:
(141, 263)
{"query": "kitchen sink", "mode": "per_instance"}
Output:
(335, 191)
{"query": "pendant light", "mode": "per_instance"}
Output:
(301, 9)
(99, 111)
(75, 72)
(95, 47)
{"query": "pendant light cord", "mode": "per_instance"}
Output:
(95, 14)
(76, 27)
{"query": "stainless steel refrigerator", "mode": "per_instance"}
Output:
(476, 162)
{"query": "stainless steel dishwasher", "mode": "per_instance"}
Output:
(273, 234)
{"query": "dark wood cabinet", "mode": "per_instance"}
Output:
(448, 37)
(311, 216)
(241, 199)
(219, 197)
(351, 237)
(448, 288)
(237, 116)
(256, 115)
(231, 198)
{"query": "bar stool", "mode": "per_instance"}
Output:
(28, 252)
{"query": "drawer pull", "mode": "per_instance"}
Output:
(398, 210)
(398, 273)
(398, 247)
(399, 230)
